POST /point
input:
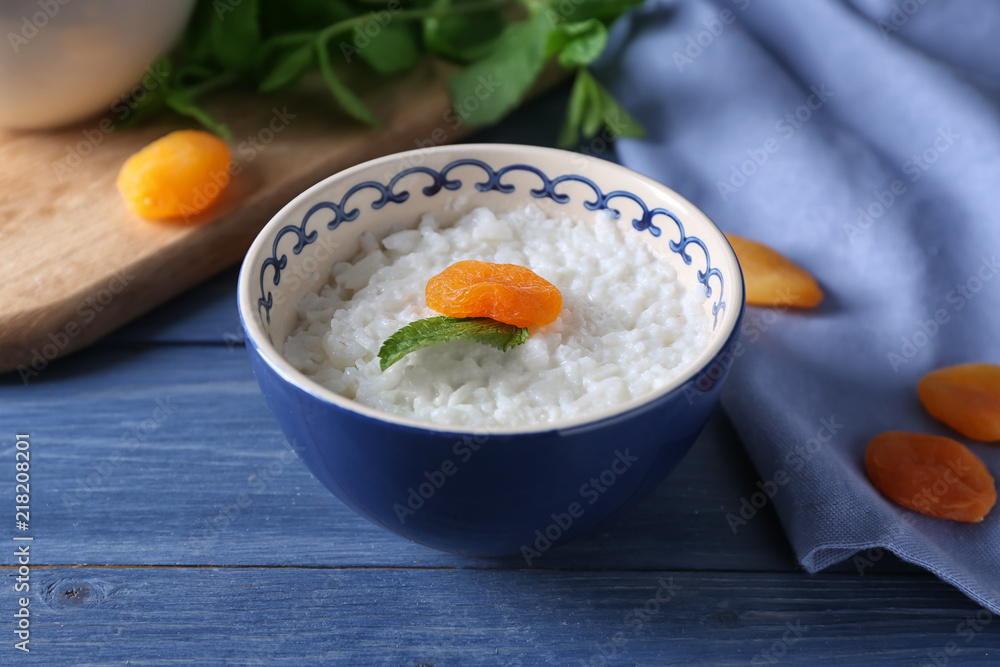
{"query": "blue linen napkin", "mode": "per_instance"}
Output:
(862, 139)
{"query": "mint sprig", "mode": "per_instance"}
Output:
(269, 45)
(443, 329)
(592, 107)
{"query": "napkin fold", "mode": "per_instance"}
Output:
(862, 139)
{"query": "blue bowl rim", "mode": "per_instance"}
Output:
(261, 345)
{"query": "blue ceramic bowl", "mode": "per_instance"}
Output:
(498, 490)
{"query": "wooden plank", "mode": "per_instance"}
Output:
(85, 265)
(298, 616)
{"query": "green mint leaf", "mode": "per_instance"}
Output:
(619, 122)
(574, 111)
(462, 37)
(284, 60)
(234, 33)
(443, 329)
(348, 101)
(578, 44)
(273, 43)
(614, 117)
(500, 80)
(393, 49)
(592, 107)
(593, 115)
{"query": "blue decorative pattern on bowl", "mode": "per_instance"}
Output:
(500, 490)
(440, 181)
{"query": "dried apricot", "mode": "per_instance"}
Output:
(966, 398)
(771, 278)
(175, 176)
(507, 293)
(932, 475)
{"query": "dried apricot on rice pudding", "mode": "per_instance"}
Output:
(507, 293)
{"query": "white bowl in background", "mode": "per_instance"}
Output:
(64, 60)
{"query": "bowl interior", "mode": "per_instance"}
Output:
(295, 252)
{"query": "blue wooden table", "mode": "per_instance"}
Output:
(171, 524)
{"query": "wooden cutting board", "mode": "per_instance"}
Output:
(79, 265)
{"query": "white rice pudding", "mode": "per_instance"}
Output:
(626, 328)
